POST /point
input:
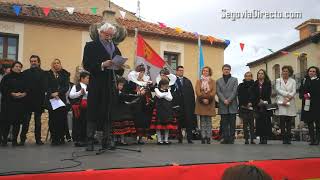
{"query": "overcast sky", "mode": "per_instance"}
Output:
(205, 17)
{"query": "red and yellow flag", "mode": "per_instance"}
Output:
(147, 56)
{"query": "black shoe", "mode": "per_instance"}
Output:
(80, 144)
(190, 141)
(96, 142)
(76, 144)
(141, 143)
(284, 140)
(112, 148)
(55, 143)
(62, 141)
(180, 141)
(21, 143)
(312, 143)
(265, 141)
(109, 145)
(39, 142)
(14, 143)
(203, 141)
(167, 142)
(208, 140)
(4, 142)
(90, 146)
(261, 140)
(246, 142)
(224, 142)
(160, 143)
(123, 144)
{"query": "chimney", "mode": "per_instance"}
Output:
(308, 28)
(109, 16)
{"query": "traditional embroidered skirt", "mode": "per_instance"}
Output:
(156, 124)
(123, 127)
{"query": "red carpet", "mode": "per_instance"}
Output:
(279, 169)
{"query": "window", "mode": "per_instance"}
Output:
(302, 59)
(9, 46)
(172, 59)
(312, 28)
(276, 71)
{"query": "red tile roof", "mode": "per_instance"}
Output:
(32, 13)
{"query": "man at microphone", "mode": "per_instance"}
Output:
(97, 59)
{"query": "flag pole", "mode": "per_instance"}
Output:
(199, 44)
(136, 47)
(199, 41)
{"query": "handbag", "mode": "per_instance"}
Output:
(272, 107)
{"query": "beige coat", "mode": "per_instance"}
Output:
(202, 109)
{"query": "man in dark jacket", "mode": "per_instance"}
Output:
(246, 106)
(36, 82)
(183, 96)
(97, 59)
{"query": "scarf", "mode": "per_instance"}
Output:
(205, 83)
(108, 46)
(226, 78)
(55, 73)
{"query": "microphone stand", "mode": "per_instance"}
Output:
(107, 127)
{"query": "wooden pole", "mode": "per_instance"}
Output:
(136, 46)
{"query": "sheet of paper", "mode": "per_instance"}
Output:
(56, 103)
(118, 61)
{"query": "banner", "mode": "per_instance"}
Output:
(147, 56)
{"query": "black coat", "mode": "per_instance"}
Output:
(312, 87)
(13, 83)
(185, 98)
(36, 84)
(101, 88)
(2, 97)
(245, 93)
(265, 93)
(263, 117)
(58, 84)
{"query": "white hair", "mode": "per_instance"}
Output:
(106, 27)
